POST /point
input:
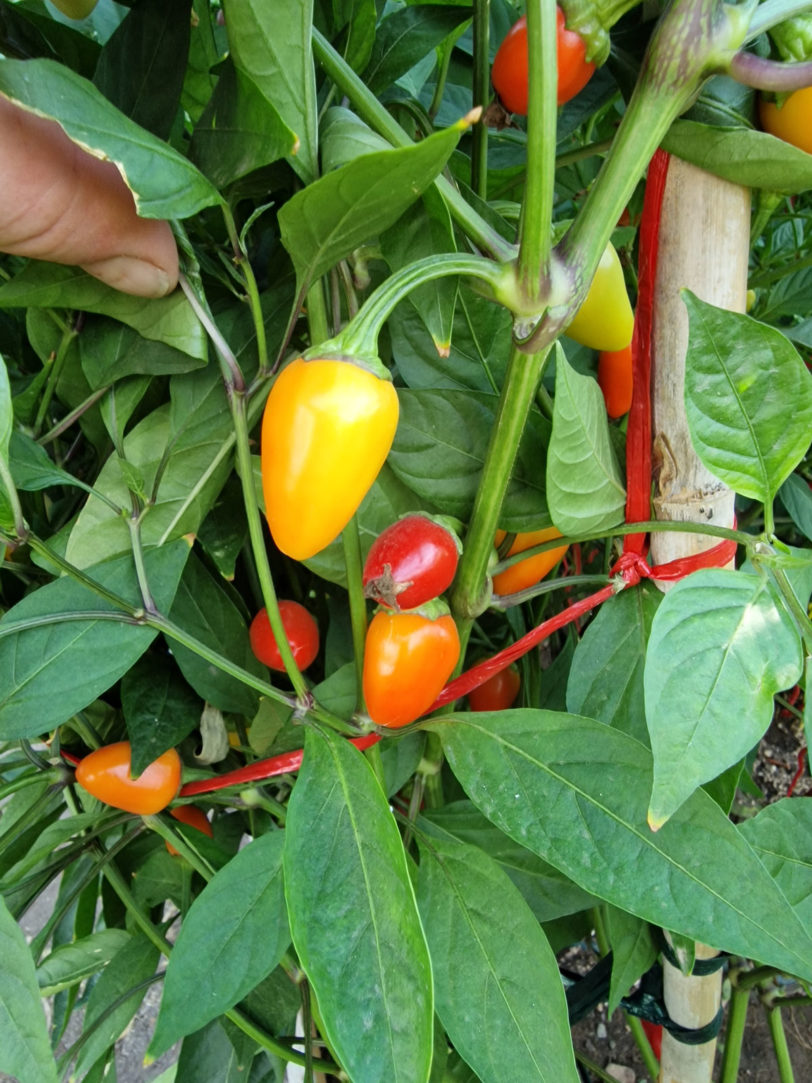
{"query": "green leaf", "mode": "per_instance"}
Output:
(154, 38)
(739, 377)
(633, 952)
(205, 608)
(741, 155)
(208, 1056)
(345, 136)
(236, 930)
(499, 992)
(325, 221)
(164, 183)
(575, 791)
(71, 963)
(48, 842)
(188, 446)
(721, 646)
(25, 1050)
(796, 496)
(270, 43)
(406, 36)
(239, 131)
(354, 918)
(160, 709)
(110, 350)
(169, 320)
(439, 450)
(781, 834)
(426, 230)
(136, 962)
(80, 657)
(546, 890)
(606, 676)
(32, 468)
(479, 345)
(584, 488)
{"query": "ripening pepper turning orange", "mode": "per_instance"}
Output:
(105, 774)
(327, 428)
(525, 573)
(605, 321)
(792, 121)
(615, 380)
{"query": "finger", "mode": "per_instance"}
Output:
(60, 203)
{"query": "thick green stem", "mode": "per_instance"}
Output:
(471, 595)
(734, 1034)
(776, 1025)
(370, 109)
(481, 94)
(535, 226)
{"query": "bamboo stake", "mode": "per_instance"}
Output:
(703, 245)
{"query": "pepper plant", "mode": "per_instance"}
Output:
(393, 299)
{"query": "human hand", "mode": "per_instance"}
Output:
(59, 203)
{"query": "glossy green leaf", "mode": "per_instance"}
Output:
(741, 156)
(168, 320)
(71, 963)
(739, 377)
(575, 792)
(406, 36)
(634, 951)
(721, 646)
(796, 497)
(479, 345)
(163, 182)
(354, 918)
(584, 488)
(606, 676)
(81, 657)
(499, 992)
(270, 43)
(208, 1056)
(136, 962)
(345, 136)
(205, 609)
(440, 448)
(25, 1051)
(327, 220)
(236, 930)
(545, 889)
(112, 351)
(51, 838)
(153, 38)
(781, 834)
(239, 131)
(160, 709)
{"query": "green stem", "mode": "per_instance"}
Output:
(73, 416)
(229, 366)
(798, 611)
(643, 1045)
(22, 782)
(134, 525)
(481, 94)
(7, 481)
(317, 319)
(251, 289)
(55, 371)
(470, 595)
(535, 225)
(776, 1024)
(351, 542)
(245, 470)
(374, 113)
(684, 50)
(734, 1034)
(360, 336)
(430, 770)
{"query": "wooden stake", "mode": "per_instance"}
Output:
(704, 245)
